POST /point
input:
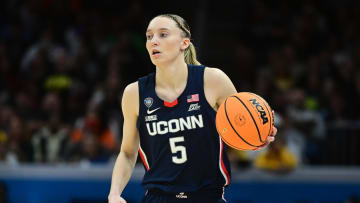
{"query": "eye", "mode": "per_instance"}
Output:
(149, 37)
(163, 34)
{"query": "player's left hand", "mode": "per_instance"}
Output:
(271, 137)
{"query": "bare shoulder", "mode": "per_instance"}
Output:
(214, 74)
(132, 89)
(217, 86)
(216, 78)
(130, 99)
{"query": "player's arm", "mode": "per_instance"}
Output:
(126, 159)
(217, 86)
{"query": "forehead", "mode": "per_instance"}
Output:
(161, 23)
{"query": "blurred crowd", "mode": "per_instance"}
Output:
(64, 65)
(303, 58)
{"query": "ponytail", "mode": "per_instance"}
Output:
(190, 55)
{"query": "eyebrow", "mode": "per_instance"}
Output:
(149, 30)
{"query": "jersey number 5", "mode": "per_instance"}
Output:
(175, 149)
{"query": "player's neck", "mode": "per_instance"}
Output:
(172, 76)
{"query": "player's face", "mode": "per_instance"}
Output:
(164, 40)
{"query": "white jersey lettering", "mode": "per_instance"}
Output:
(164, 130)
(153, 127)
(184, 123)
(173, 129)
(175, 125)
(195, 121)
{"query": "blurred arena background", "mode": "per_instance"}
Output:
(64, 65)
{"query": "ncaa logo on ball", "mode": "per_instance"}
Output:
(260, 109)
(148, 101)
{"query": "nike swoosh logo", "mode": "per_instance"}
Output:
(152, 111)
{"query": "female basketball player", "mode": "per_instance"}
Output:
(169, 119)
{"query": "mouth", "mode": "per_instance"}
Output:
(155, 52)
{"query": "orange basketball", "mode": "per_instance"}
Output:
(244, 120)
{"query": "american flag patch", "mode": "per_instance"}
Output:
(193, 98)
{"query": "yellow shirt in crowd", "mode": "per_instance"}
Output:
(270, 160)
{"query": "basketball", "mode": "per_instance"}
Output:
(244, 121)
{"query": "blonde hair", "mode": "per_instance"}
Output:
(190, 51)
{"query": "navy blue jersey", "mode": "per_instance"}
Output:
(179, 145)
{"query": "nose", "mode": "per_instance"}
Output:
(154, 42)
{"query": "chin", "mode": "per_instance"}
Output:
(158, 62)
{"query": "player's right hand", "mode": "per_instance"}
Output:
(116, 199)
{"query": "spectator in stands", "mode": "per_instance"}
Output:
(18, 141)
(49, 142)
(305, 122)
(277, 157)
(92, 151)
(95, 127)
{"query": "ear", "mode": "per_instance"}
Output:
(185, 43)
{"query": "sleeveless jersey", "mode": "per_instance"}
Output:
(179, 145)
